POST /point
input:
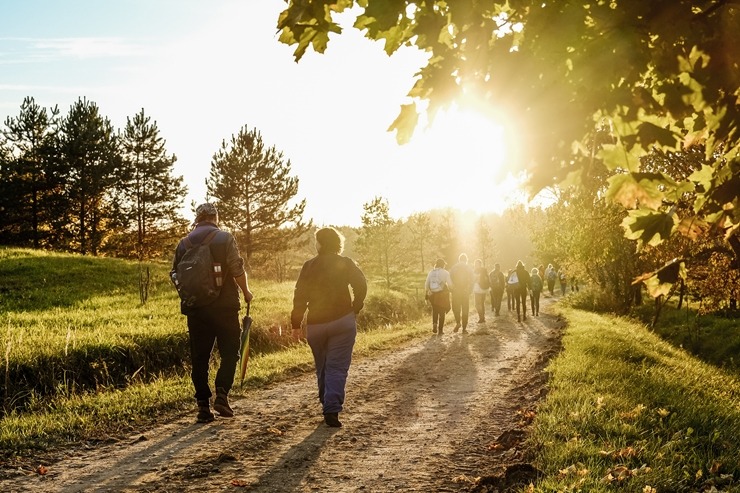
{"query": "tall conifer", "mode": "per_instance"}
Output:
(253, 187)
(88, 150)
(149, 195)
(28, 175)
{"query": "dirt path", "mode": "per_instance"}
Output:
(431, 417)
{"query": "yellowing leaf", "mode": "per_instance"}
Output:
(693, 227)
(636, 189)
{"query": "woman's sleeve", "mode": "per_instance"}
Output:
(359, 286)
(300, 298)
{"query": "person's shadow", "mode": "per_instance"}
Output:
(298, 459)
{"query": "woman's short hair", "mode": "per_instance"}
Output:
(440, 263)
(329, 240)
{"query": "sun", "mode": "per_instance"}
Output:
(461, 161)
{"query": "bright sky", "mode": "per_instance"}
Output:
(203, 70)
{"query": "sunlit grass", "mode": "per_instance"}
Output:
(111, 412)
(84, 359)
(628, 411)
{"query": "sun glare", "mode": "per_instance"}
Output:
(461, 161)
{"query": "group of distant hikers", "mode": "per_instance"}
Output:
(450, 290)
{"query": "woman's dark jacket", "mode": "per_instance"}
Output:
(323, 287)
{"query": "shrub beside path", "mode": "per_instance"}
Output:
(444, 414)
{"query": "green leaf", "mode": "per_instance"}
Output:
(703, 177)
(405, 123)
(363, 21)
(615, 156)
(648, 226)
(650, 133)
(320, 41)
(393, 39)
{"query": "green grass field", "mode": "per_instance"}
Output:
(83, 358)
(628, 409)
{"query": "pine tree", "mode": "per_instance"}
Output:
(148, 195)
(252, 186)
(29, 178)
(88, 149)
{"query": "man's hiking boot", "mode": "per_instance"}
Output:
(204, 412)
(332, 419)
(221, 404)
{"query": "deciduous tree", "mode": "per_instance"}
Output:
(420, 227)
(379, 243)
(660, 75)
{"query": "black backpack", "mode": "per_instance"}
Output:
(197, 277)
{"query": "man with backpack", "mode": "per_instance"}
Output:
(208, 272)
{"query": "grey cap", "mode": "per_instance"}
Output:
(204, 210)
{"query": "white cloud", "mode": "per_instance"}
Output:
(23, 50)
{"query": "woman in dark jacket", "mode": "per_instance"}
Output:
(323, 288)
(520, 294)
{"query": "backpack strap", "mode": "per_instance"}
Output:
(210, 237)
(206, 240)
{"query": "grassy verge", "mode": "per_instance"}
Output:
(84, 359)
(713, 338)
(628, 411)
(99, 415)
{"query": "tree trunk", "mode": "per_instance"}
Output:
(658, 308)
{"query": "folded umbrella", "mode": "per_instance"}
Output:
(244, 346)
